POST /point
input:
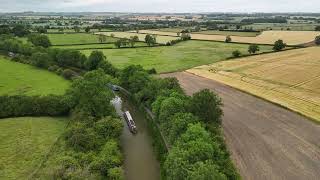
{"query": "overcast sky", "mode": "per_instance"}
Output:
(161, 5)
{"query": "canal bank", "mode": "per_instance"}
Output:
(140, 161)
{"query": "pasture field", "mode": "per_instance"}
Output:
(72, 30)
(18, 79)
(96, 46)
(266, 37)
(25, 142)
(179, 57)
(290, 78)
(76, 38)
(160, 39)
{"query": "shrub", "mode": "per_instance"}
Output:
(279, 45)
(253, 48)
(228, 39)
(152, 71)
(236, 53)
(68, 73)
(15, 106)
(59, 71)
(53, 68)
(317, 40)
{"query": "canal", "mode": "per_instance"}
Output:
(140, 162)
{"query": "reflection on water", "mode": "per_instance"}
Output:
(140, 161)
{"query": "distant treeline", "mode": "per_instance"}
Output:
(265, 20)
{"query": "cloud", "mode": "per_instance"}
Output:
(162, 5)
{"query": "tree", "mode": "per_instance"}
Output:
(317, 40)
(317, 28)
(91, 95)
(205, 170)
(207, 106)
(108, 68)
(87, 29)
(121, 43)
(5, 29)
(41, 60)
(279, 45)
(95, 58)
(39, 40)
(150, 40)
(68, 73)
(185, 36)
(66, 58)
(41, 29)
(228, 39)
(253, 48)
(109, 127)
(20, 30)
(178, 34)
(133, 40)
(236, 53)
(178, 125)
(102, 38)
(76, 29)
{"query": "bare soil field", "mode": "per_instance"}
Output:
(160, 39)
(267, 142)
(290, 78)
(266, 37)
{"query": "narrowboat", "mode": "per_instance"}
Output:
(130, 122)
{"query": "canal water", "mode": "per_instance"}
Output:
(140, 162)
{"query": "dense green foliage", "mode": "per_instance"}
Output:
(39, 40)
(279, 45)
(13, 106)
(253, 48)
(192, 126)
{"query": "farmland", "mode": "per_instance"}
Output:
(266, 37)
(77, 38)
(230, 33)
(18, 79)
(160, 39)
(175, 58)
(25, 143)
(291, 78)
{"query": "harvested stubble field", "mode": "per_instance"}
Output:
(18, 79)
(290, 78)
(160, 39)
(266, 37)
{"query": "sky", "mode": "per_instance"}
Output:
(171, 6)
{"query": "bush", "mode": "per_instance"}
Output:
(59, 71)
(53, 68)
(279, 45)
(41, 60)
(68, 73)
(317, 40)
(253, 48)
(228, 39)
(152, 71)
(15, 106)
(236, 53)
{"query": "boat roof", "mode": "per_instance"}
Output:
(128, 115)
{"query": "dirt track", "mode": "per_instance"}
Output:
(266, 141)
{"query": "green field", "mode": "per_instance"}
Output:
(17, 78)
(182, 56)
(77, 38)
(230, 33)
(93, 46)
(24, 143)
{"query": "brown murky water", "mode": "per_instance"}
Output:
(140, 161)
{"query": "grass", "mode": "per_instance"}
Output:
(17, 79)
(182, 56)
(96, 46)
(290, 79)
(25, 142)
(77, 38)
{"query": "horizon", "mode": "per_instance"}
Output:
(161, 6)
